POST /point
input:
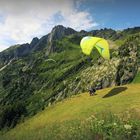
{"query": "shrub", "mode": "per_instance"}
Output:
(11, 114)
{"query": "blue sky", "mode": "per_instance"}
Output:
(20, 21)
(116, 14)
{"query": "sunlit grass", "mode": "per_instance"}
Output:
(137, 78)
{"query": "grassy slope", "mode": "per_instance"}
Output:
(137, 78)
(78, 107)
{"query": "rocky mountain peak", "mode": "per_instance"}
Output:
(59, 31)
(34, 42)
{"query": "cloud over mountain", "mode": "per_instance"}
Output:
(20, 21)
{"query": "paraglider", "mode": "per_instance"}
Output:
(88, 43)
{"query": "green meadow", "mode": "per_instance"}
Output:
(113, 113)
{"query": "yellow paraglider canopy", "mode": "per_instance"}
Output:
(88, 43)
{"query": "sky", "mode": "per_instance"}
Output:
(21, 20)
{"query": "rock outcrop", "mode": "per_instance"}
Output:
(129, 57)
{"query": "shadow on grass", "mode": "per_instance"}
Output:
(115, 91)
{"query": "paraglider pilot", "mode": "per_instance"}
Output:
(92, 91)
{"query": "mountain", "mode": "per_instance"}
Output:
(36, 44)
(36, 75)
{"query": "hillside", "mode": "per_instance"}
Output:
(56, 121)
(36, 75)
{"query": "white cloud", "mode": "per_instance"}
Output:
(24, 20)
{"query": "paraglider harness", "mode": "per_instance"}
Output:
(92, 91)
